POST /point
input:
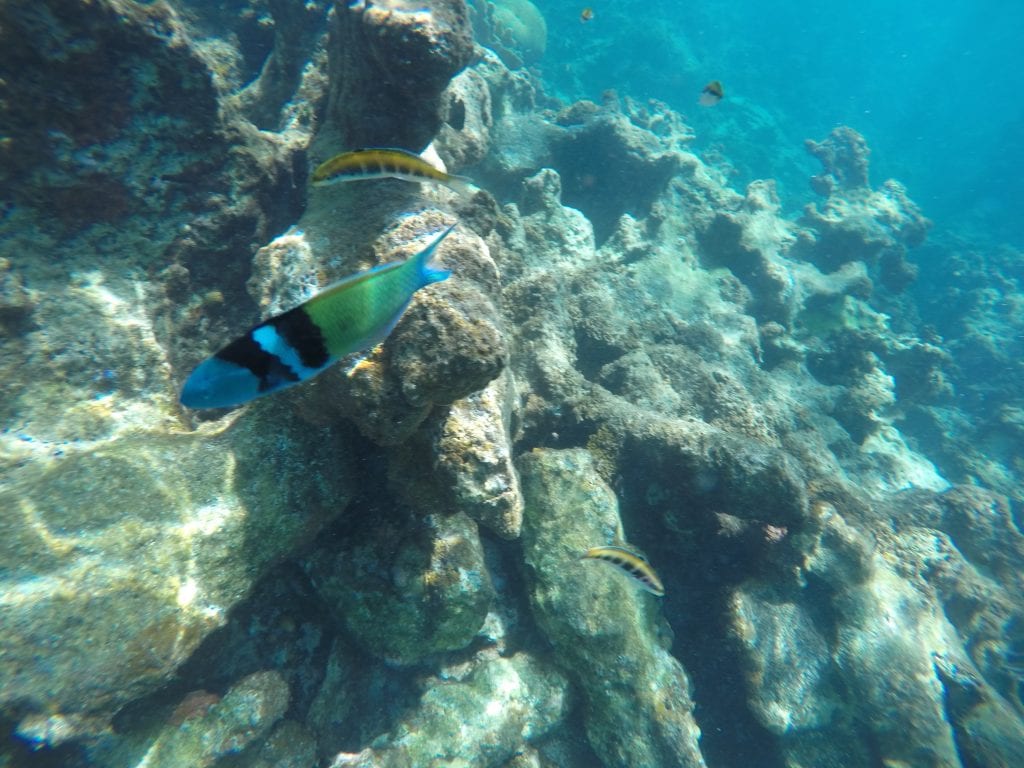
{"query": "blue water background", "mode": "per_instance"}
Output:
(937, 89)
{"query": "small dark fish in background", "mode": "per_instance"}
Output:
(586, 14)
(711, 95)
(630, 563)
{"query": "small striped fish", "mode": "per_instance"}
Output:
(351, 315)
(365, 164)
(632, 564)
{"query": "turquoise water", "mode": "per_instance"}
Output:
(935, 87)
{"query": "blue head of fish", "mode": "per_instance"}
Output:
(217, 383)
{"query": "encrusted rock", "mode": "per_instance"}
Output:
(127, 553)
(432, 582)
(611, 166)
(247, 712)
(857, 222)
(480, 721)
(750, 242)
(474, 451)
(844, 155)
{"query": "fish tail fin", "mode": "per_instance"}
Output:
(461, 184)
(427, 272)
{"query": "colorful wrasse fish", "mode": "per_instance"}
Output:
(351, 315)
(363, 164)
(712, 94)
(631, 563)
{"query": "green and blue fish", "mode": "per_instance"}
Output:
(349, 316)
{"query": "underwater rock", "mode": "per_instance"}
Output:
(131, 551)
(969, 300)
(16, 303)
(857, 222)
(86, 161)
(453, 342)
(389, 60)
(880, 652)
(139, 169)
(709, 468)
(749, 241)
(793, 689)
(135, 159)
(336, 699)
(638, 710)
(245, 714)
(274, 99)
(424, 575)
(288, 745)
(610, 166)
(886, 642)
(556, 235)
(476, 722)
(474, 452)
(467, 119)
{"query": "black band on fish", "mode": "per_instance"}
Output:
(304, 336)
(267, 368)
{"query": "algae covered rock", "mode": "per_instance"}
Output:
(245, 714)
(474, 453)
(637, 696)
(477, 722)
(405, 594)
(129, 552)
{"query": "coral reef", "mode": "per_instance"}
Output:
(382, 567)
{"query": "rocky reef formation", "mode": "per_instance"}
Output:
(382, 567)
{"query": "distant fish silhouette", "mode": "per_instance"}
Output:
(586, 15)
(711, 95)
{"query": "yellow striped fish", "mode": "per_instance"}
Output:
(363, 164)
(631, 563)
